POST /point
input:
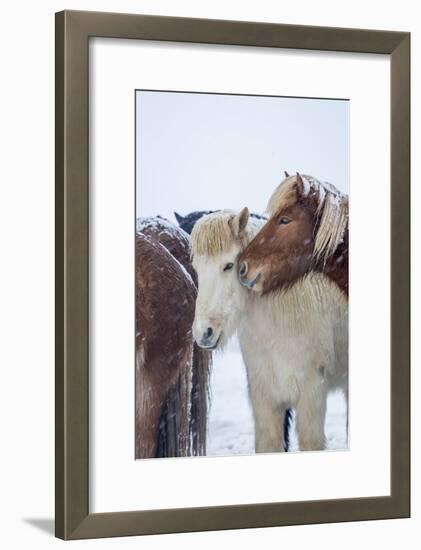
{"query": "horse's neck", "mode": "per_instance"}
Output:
(336, 268)
(309, 307)
(254, 318)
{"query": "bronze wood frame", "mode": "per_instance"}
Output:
(73, 30)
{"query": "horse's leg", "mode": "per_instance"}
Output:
(267, 423)
(268, 427)
(149, 401)
(287, 415)
(311, 414)
(202, 361)
(346, 395)
(183, 409)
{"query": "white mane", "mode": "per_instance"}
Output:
(215, 233)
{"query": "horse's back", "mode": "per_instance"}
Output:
(165, 300)
(173, 238)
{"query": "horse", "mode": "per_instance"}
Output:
(172, 372)
(294, 344)
(307, 232)
(188, 221)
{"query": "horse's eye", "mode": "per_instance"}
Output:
(228, 266)
(283, 221)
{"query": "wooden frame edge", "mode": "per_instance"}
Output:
(73, 29)
(400, 274)
(60, 489)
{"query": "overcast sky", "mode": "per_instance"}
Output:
(207, 152)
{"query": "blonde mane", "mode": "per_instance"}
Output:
(215, 233)
(332, 204)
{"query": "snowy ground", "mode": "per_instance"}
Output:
(231, 430)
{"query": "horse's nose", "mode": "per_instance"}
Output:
(207, 335)
(243, 269)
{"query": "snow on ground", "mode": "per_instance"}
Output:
(231, 428)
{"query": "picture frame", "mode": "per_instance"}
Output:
(74, 29)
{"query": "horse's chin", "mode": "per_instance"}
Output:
(258, 287)
(227, 326)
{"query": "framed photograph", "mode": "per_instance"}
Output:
(232, 274)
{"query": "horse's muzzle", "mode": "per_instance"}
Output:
(208, 340)
(249, 283)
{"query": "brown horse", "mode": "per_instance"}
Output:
(171, 371)
(307, 232)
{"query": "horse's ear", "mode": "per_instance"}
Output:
(239, 222)
(299, 183)
(286, 174)
(243, 218)
(179, 218)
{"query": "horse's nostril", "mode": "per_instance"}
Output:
(208, 333)
(243, 269)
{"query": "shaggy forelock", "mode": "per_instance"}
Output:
(284, 196)
(213, 235)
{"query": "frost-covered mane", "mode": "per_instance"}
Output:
(332, 206)
(214, 233)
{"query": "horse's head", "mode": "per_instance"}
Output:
(217, 240)
(304, 227)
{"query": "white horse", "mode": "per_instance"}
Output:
(294, 344)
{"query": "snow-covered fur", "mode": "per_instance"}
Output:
(172, 372)
(294, 343)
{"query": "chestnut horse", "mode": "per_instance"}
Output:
(294, 344)
(307, 232)
(171, 371)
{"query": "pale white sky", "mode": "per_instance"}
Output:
(208, 152)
